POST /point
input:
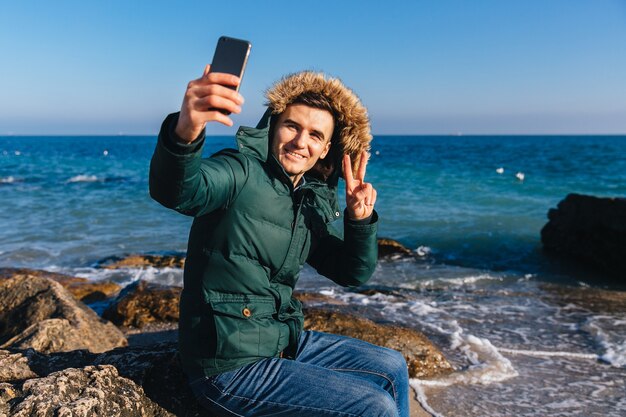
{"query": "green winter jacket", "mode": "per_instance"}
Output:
(250, 237)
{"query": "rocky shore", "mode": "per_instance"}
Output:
(58, 357)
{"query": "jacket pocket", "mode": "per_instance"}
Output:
(245, 326)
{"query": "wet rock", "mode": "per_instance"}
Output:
(38, 312)
(81, 288)
(90, 391)
(392, 249)
(593, 299)
(312, 298)
(93, 291)
(141, 303)
(590, 230)
(141, 261)
(423, 358)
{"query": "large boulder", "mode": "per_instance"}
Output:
(589, 229)
(142, 302)
(90, 391)
(39, 313)
(92, 384)
(423, 358)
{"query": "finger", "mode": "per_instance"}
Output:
(373, 198)
(201, 90)
(347, 171)
(219, 117)
(222, 78)
(206, 70)
(216, 102)
(361, 192)
(362, 166)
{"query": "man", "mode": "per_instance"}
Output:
(261, 212)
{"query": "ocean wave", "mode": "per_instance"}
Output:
(8, 180)
(125, 276)
(461, 281)
(611, 342)
(83, 178)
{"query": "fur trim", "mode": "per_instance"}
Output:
(352, 122)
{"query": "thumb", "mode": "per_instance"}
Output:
(206, 70)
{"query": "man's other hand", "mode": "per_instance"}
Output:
(360, 195)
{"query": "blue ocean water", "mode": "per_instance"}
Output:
(517, 326)
(74, 200)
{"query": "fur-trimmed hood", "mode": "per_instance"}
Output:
(352, 120)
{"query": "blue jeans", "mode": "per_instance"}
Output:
(330, 376)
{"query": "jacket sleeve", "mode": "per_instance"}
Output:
(349, 261)
(181, 180)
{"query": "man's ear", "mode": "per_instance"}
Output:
(326, 149)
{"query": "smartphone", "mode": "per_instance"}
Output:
(231, 56)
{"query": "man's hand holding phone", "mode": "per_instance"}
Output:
(206, 100)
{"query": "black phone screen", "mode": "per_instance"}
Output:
(230, 56)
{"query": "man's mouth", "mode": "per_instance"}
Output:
(295, 155)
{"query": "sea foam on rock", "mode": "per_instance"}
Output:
(591, 230)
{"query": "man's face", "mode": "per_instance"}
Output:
(301, 137)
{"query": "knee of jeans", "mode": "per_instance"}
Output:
(381, 404)
(396, 365)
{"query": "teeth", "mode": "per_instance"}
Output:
(295, 154)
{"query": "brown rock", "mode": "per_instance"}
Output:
(39, 313)
(389, 248)
(93, 291)
(589, 230)
(142, 302)
(83, 289)
(91, 391)
(140, 261)
(14, 367)
(423, 358)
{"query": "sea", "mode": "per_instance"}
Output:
(527, 335)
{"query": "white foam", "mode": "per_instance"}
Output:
(421, 397)
(472, 279)
(126, 276)
(7, 180)
(546, 354)
(614, 350)
(83, 178)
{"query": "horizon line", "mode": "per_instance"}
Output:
(460, 134)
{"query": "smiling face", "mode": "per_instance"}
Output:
(301, 137)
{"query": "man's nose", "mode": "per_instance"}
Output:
(300, 139)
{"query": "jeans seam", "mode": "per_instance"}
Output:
(279, 404)
(218, 404)
(391, 382)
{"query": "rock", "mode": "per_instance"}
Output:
(90, 391)
(423, 358)
(155, 370)
(589, 229)
(142, 302)
(93, 291)
(140, 261)
(392, 249)
(39, 313)
(14, 367)
(81, 288)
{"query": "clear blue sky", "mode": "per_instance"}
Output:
(437, 66)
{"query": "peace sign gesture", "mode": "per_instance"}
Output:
(360, 195)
